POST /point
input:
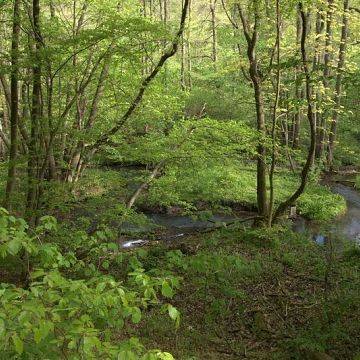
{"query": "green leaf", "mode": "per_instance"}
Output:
(18, 343)
(42, 331)
(166, 289)
(2, 327)
(14, 246)
(135, 315)
(174, 314)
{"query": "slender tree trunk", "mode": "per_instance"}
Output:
(188, 48)
(321, 130)
(35, 115)
(182, 55)
(171, 51)
(298, 91)
(338, 86)
(275, 114)
(317, 59)
(252, 38)
(213, 32)
(14, 105)
(310, 115)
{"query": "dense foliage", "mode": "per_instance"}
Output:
(221, 135)
(66, 307)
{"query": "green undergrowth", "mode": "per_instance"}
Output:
(218, 184)
(357, 182)
(258, 294)
(66, 303)
(227, 183)
(102, 192)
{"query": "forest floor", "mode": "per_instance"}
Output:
(245, 293)
(259, 295)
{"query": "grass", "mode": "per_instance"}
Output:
(263, 295)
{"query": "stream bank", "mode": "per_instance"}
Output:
(345, 226)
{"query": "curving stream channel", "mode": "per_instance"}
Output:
(347, 226)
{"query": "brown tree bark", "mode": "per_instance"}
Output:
(298, 91)
(310, 115)
(275, 114)
(321, 126)
(35, 115)
(251, 39)
(213, 32)
(14, 105)
(338, 86)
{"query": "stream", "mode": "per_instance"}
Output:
(346, 226)
(179, 226)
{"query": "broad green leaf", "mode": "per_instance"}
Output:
(14, 246)
(174, 314)
(18, 343)
(136, 315)
(166, 289)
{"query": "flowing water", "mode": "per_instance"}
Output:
(346, 226)
(178, 226)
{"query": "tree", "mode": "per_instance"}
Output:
(339, 79)
(252, 36)
(14, 105)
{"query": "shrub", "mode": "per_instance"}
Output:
(55, 316)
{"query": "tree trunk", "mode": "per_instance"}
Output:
(182, 54)
(298, 91)
(251, 39)
(275, 114)
(317, 59)
(188, 49)
(14, 105)
(35, 115)
(213, 32)
(321, 130)
(338, 86)
(310, 115)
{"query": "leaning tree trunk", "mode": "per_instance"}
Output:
(14, 105)
(310, 115)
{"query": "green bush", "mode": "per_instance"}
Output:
(55, 316)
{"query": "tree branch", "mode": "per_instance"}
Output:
(144, 85)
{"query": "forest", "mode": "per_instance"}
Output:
(180, 179)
